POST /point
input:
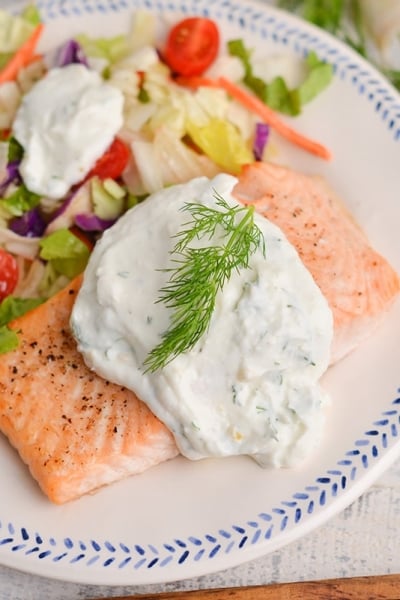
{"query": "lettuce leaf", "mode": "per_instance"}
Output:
(14, 31)
(67, 254)
(8, 339)
(276, 93)
(13, 307)
(52, 282)
(31, 14)
(4, 58)
(15, 150)
(20, 201)
(319, 77)
(142, 33)
(111, 49)
(222, 142)
(108, 198)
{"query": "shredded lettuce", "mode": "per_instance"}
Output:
(276, 93)
(10, 98)
(111, 49)
(318, 78)
(10, 309)
(114, 49)
(132, 200)
(31, 14)
(67, 254)
(222, 142)
(143, 31)
(279, 97)
(144, 96)
(8, 339)
(104, 53)
(4, 217)
(14, 31)
(51, 282)
(15, 150)
(107, 197)
(13, 307)
(20, 201)
(4, 58)
(3, 159)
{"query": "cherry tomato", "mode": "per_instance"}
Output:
(192, 45)
(112, 163)
(8, 274)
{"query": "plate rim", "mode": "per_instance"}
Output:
(19, 537)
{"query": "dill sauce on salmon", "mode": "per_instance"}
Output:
(250, 384)
(359, 284)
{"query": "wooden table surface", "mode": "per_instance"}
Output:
(363, 540)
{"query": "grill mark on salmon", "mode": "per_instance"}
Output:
(74, 430)
(358, 283)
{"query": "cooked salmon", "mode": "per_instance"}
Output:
(77, 431)
(358, 283)
(74, 430)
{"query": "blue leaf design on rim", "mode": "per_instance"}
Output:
(291, 511)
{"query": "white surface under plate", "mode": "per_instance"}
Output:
(185, 519)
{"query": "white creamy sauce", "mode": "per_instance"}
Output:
(65, 123)
(250, 385)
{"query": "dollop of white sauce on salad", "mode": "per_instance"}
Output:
(250, 384)
(65, 123)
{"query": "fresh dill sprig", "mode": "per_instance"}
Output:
(199, 273)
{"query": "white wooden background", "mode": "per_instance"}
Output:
(363, 540)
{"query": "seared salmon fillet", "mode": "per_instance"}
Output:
(74, 430)
(358, 283)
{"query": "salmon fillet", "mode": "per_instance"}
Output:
(358, 283)
(74, 430)
(77, 431)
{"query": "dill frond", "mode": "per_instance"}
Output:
(198, 274)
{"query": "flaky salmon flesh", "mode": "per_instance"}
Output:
(78, 432)
(358, 283)
(74, 430)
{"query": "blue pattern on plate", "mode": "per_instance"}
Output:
(384, 432)
(291, 511)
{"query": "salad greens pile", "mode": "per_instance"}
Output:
(276, 93)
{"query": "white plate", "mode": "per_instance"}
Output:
(180, 519)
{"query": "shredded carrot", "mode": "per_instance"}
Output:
(258, 107)
(23, 56)
(270, 117)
